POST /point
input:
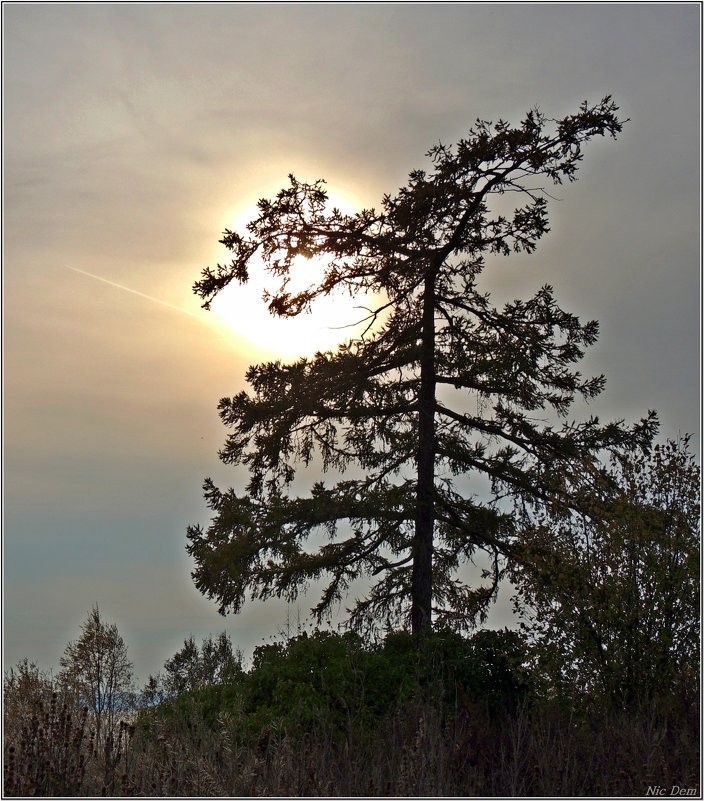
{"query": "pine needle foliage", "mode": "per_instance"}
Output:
(374, 407)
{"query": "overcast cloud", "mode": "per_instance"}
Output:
(134, 133)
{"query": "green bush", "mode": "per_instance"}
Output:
(336, 681)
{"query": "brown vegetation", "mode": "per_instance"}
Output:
(420, 748)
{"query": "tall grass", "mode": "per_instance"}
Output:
(429, 737)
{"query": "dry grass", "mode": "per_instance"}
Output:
(54, 752)
(418, 749)
(414, 753)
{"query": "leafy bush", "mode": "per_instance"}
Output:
(610, 597)
(335, 680)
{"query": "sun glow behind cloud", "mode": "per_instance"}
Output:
(330, 320)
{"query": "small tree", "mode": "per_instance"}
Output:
(610, 596)
(96, 665)
(193, 667)
(377, 402)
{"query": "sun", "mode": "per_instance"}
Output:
(332, 319)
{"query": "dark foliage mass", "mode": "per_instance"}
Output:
(378, 407)
(611, 595)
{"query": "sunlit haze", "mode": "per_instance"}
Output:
(136, 133)
(330, 320)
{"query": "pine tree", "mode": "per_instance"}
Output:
(378, 404)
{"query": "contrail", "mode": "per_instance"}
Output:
(135, 292)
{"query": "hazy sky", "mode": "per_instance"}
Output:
(135, 133)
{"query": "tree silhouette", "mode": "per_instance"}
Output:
(97, 667)
(380, 402)
(611, 595)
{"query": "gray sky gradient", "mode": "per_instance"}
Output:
(134, 133)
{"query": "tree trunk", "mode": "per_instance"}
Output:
(422, 576)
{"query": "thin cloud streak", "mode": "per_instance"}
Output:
(137, 292)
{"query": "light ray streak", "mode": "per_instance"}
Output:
(140, 294)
